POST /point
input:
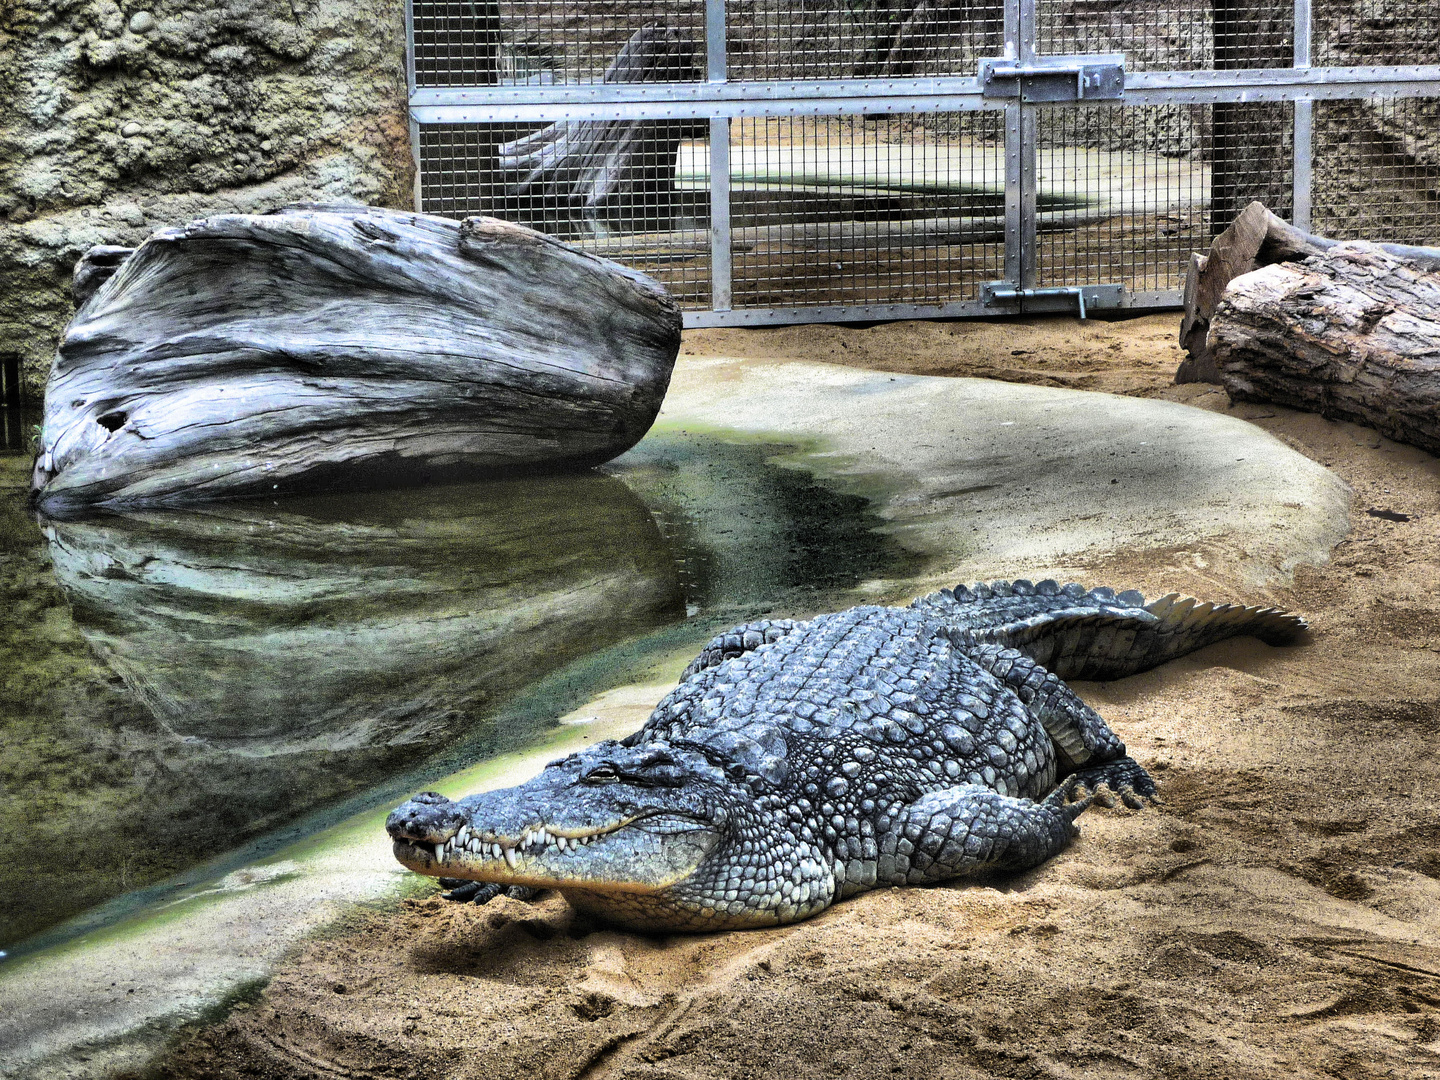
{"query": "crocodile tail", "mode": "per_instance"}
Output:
(1183, 624)
(1099, 634)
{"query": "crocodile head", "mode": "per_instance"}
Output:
(652, 835)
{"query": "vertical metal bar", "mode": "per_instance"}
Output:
(1304, 159)
(1028, 228)
(410, 93)
(1013, 178)
(1028, 30)
(720, 284)
(1015, 33)
(1027, 35)
(1302, 33)
(409, 47)
(1303, 173)
(415, 158)
(716, 71)
(715, 60)
(1012, 29)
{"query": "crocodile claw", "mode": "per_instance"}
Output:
(482, 892)
(1125, 779)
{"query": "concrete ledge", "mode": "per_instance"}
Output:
(991, 479)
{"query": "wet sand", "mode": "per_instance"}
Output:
(1277, 915)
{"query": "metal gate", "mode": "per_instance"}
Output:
(778, 161)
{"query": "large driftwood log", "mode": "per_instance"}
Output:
(1352, 333)
(572, 169)
(1256, 238)
(243, 355)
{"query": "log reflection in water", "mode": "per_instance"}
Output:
(337, 623)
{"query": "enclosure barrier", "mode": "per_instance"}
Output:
(778, 161)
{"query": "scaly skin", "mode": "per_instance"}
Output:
(798, 763)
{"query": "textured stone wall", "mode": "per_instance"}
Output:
(119, 118)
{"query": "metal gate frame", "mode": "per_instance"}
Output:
(721, 100)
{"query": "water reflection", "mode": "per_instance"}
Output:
(339, 623)
(256, 661)
(750, 535)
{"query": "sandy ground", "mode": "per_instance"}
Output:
(1277, 915)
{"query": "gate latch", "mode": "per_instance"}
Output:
(1057, 298)
(1055, 78)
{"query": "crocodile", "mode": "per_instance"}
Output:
(801, 762)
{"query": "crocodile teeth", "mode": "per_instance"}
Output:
(462, 838)
(439, 852)
(509, 857)
(562, 843)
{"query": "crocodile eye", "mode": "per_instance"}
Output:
(602, 774)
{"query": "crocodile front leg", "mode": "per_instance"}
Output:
(944, 834)
(1092, 758)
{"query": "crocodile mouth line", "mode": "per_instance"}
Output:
(534, 840)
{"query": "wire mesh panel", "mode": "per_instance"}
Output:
(856, 210)
(1135, 185)
(831, 39)
(914, 192)
(657, 222)
(1376, 32)
(455, 44)
(1377, 170)
(547, 41)
(1150, 184)
(1172, 35)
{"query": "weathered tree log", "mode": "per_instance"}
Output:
(574, 168)
(1256, 238)
(1352, 333)
(243, 355)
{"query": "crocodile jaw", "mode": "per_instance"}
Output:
(646, 853)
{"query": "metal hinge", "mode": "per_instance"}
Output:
(1002, 294)
(1055, 78)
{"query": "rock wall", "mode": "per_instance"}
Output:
(119, 118)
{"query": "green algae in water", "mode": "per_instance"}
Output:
(238, 672)
(750, 533)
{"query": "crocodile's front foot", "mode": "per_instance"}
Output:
(482, 892)
(1125, 777)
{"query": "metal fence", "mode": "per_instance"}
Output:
(811, 160)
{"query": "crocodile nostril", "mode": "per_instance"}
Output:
(428, 818)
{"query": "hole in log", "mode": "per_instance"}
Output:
(112, 421)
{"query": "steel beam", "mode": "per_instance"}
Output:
(716, 63)
(1014, 191)
(977, 309)
(662, 101)
(720, 274)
